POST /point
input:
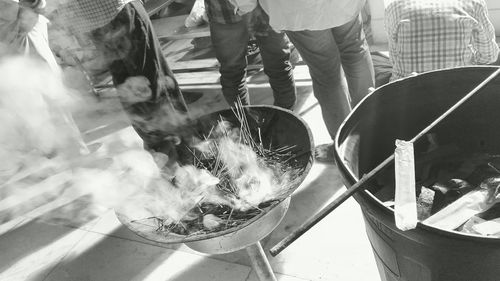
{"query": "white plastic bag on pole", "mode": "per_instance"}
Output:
(405, 202)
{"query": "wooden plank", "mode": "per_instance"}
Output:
(174, 28)
(195, 65)
(154, 6)
(182, 55)
(300, 73)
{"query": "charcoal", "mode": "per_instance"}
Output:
(428, 165)
(424, 203)
(481, 173)
(448, 192)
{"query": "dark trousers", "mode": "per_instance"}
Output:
(230, 42)
(131, 48)
(340, 66)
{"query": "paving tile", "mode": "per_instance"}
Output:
(334, 249)
(318, 128)
(103, 258)
(77, 212)
(237, 257)
(320, 187)
(27, 194)
(279, 277)
(31, 251)
(109, 225)
(11, 224)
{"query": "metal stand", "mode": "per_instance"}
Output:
(260, 263)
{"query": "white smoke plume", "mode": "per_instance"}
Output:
(43, 151)
(47, 156)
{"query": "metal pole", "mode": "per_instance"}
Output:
(260, 263)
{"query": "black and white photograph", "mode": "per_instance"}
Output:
(249, 140)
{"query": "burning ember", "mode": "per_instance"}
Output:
(232, 178)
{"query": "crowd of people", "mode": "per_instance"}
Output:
(423, 35)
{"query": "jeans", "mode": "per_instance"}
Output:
(230, 42)
(340, 66)
(131, 48)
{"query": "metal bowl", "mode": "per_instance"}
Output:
(278, 128)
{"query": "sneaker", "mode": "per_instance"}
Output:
(324, 153)
(253, 53)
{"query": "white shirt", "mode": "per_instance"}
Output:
(296, 15)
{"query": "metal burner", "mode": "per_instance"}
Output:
(277, 128)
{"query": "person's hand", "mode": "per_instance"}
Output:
(27, 19)
(134, 90)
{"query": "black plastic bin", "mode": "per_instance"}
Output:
(400, 110)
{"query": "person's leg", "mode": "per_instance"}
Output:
(230, 44)
(319, 51)
(130, 44)
(275, 53)
(356, 60)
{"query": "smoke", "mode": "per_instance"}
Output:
(172, 202)
(34, 105)
(44, 154)
(254, 182)
(43, 151)
(48, 158)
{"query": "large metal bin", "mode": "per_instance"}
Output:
(400, 110)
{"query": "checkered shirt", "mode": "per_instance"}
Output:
(222, 11)
(81, 16)
(426, 35)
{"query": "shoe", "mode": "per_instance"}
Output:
(191, 97)
(253, 53)
(252, 48)
(324, 153)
